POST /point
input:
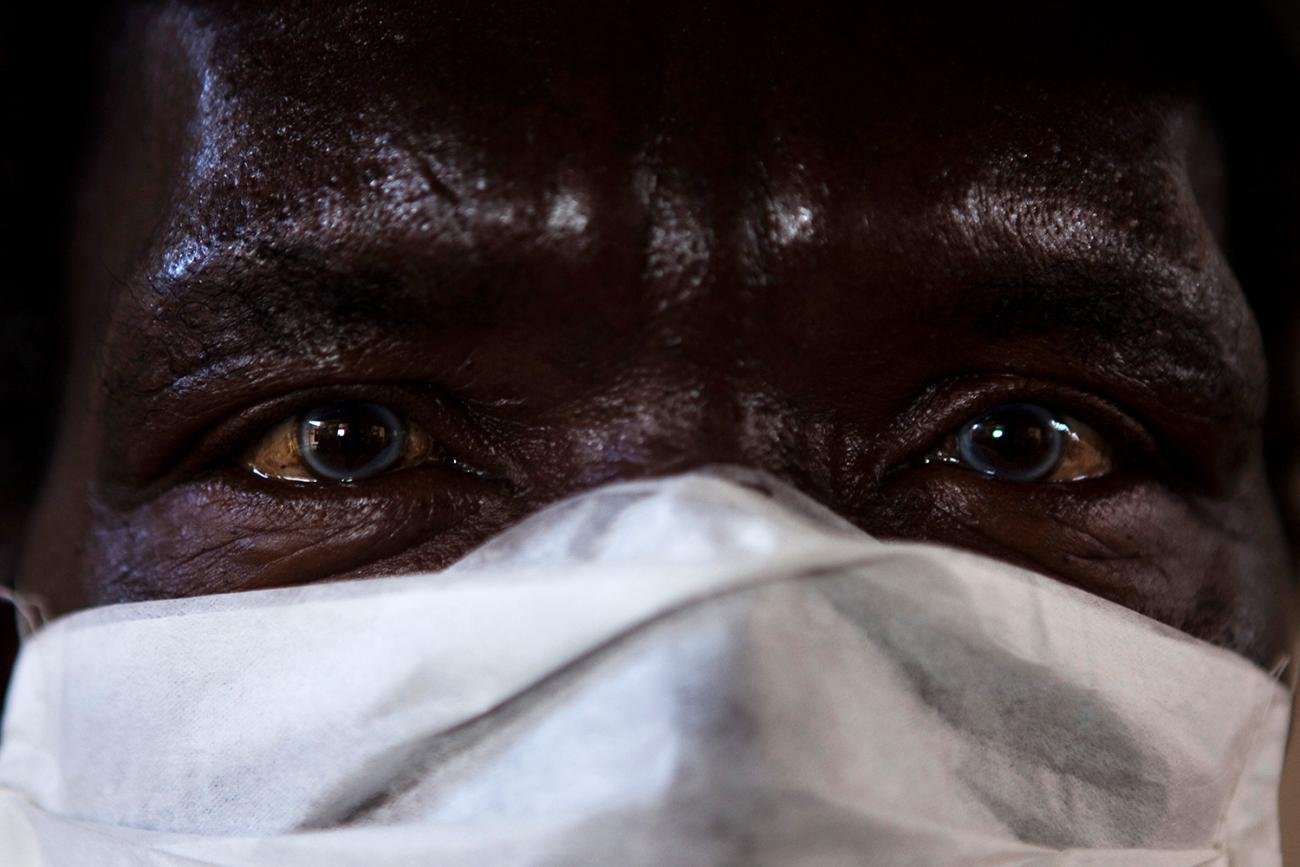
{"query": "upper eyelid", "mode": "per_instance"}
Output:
(942, 407)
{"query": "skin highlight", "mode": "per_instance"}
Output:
(579, 245)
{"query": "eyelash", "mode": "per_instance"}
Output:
(944, 407)
(219, 446)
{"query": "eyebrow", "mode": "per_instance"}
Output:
(1178, 350)
(237, 303)
(213, 323)
(1173, 318)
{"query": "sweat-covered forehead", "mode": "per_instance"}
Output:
(735, 129)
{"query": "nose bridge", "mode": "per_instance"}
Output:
(690, 183)
(659, 418)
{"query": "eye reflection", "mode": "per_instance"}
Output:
(341, 442)
(1026, 442)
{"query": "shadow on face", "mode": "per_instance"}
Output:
(358, 287)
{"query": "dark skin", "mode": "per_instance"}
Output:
(583, 245)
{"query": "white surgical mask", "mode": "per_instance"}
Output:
(703, 670)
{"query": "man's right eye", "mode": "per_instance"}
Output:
(339, 443)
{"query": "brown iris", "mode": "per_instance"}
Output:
(341, 442)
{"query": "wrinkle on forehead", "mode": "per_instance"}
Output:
(297, 163)
(270, 120)
(309, 159)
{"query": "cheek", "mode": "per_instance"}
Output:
(1212, 567)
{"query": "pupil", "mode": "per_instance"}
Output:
(1021, 442)
(342, 442)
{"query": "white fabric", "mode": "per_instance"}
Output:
(704, 670)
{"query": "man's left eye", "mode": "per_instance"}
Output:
(340, 442)
(1026, 442)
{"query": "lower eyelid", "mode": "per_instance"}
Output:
(403, 485)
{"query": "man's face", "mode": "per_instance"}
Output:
(527, 250)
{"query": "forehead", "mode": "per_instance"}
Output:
(326, 122)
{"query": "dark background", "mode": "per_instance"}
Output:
(48, 76)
